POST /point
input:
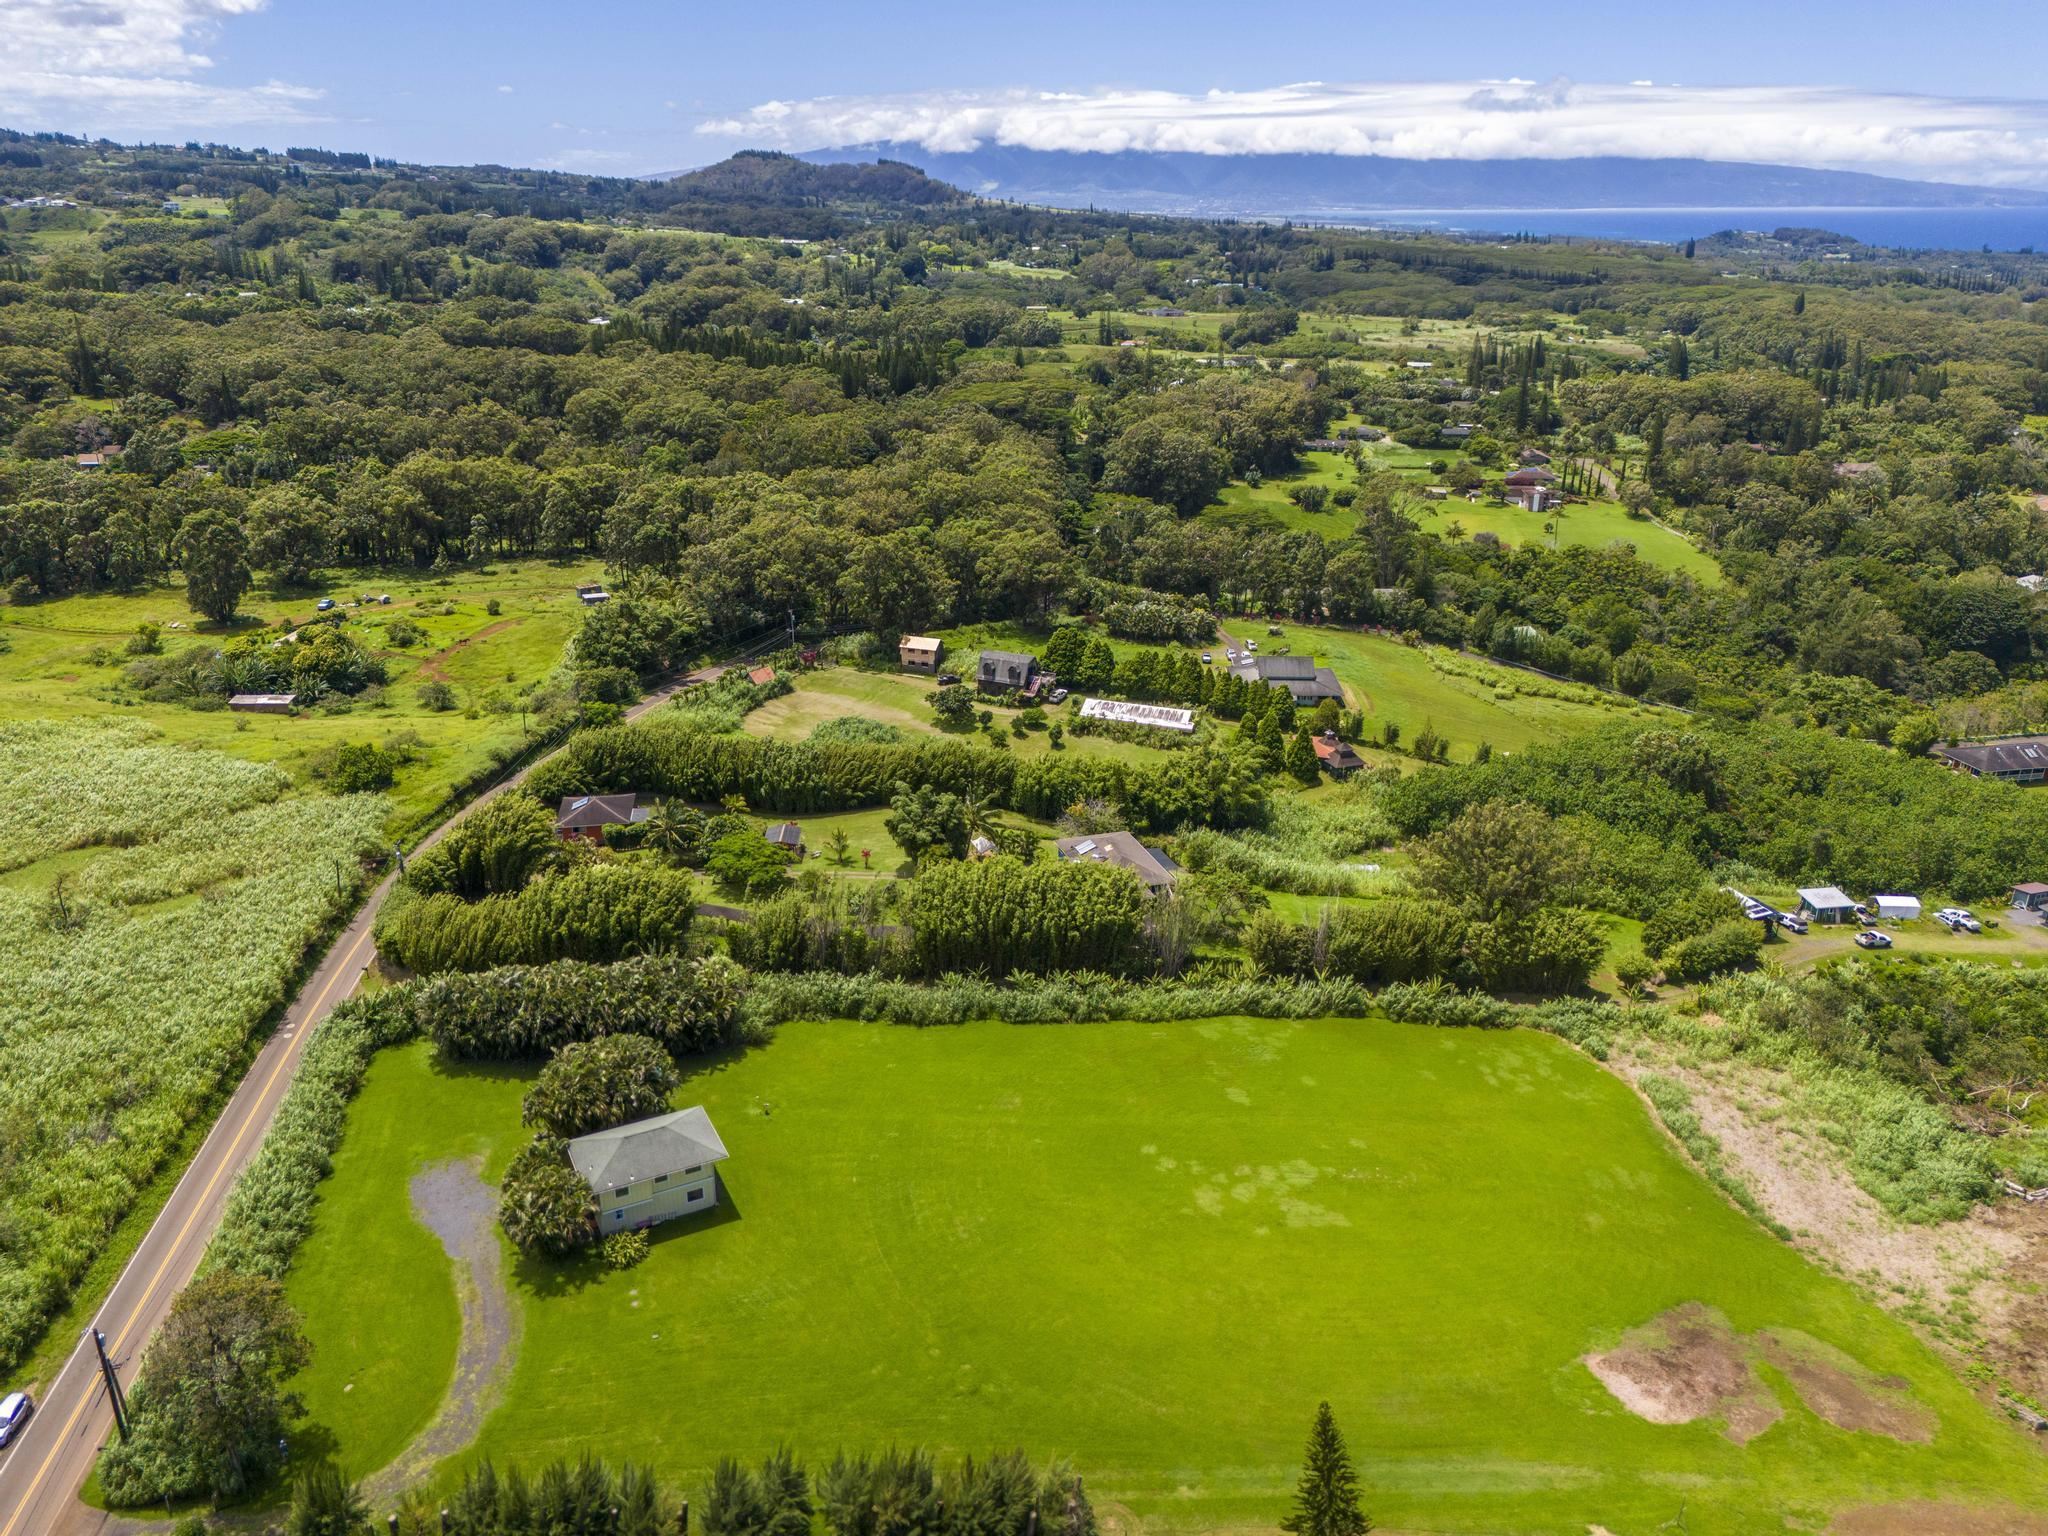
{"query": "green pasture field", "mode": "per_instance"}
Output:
(1151, 1248)
(48, 670)
(1594, 524)
(898, 699)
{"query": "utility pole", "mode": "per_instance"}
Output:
(99, 1344)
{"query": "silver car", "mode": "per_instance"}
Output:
(15, 1409)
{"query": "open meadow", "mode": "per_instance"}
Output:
(1154, 1247)
(155, 901)
(64, 660)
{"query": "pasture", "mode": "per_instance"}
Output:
(996, 1235)
(1591, 524)
(63, 660)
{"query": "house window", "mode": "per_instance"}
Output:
(688, 1171)
(695, 1196)
(619, 1195)
(661, 1178)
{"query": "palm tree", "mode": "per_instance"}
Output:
(838, 844)
(978, 815)
(668, 832)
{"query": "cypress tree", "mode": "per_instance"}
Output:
(1326, 1501)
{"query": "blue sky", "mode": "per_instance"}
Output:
(630, 87)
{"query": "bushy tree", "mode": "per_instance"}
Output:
(213, 551)
(494, 850)
(594, 1084)
(543, 1203)
(1499, 860)
(324, 1503)
(923, 820)
(210, 1404)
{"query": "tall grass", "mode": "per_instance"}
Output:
(128, 993)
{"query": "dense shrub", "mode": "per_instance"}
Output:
(528, 1012)
(1696, 912)
(592, 1085)
(997, 916)
(1394, 940)
(1553, 951)
(543, 1203)
(492, 851)
(1728, 946)
(596, 912)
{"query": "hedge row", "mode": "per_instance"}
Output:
(527, 1013)
(595, 912)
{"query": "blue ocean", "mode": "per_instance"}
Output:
(1917, 229)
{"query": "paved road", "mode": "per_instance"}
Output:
(40, 1475)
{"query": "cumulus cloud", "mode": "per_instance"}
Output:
(130, 65)
(1958, 139)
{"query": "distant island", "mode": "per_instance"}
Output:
(1327, 186)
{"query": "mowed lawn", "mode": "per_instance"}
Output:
(1152, 1248)
(63, 659)
(1395, 682)
(1594, 524)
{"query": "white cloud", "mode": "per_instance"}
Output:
(1997, 141)
(504, 90)
(130, 65)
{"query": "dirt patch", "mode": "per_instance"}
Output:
(1938, 1520)
(1842, 1391)
(1981, 1276)
(1688, 1365)
(431, 667)
(453, 1202)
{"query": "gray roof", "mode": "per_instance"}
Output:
(629, 1154)
(1299, 675)
(785, 834)
(1007, 667)
(1825, 898)
(599, 811)
(1123, 850)
(2020, 754)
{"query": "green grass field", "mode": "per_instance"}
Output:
(48, 669)
(1391, 681)
(1152, 1248)
(1593, 524)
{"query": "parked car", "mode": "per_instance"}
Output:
(1958, 920)
(1791, 922)
(1251, 645)
(1870, 938)
(1207, 657)
(325, 605)
(1272, 629)
(949, 679)
(1059, 695)
(1231, 656)
(15, 1409)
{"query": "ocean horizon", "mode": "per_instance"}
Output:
(1915, 229)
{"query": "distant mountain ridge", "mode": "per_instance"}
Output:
(1324, 186)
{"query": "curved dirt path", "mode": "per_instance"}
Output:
(453, 1202)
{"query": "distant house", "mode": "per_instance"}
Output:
(761, 677)
(1339, 759)
(1436, 493)
(981, 847)
(1456, 432)
(1166, 312)
(1857, 469)
(1124, 850)
(2031, 896)
(584, 817)
(1420, 363)
(263, 703)
(651, 1170)
(2016, 759)
(919, 653)
(1535, 456)
(1299, 675)
(100, 459)
(1826, 904)
(787, 835)
(1006, 672)
(1531, 487)
(2031, 583)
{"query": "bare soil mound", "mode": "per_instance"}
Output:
(1937, 1520)
(1688, 1364)
(1842, 1391)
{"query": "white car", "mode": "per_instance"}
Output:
(1207, 657)
(1958, 920)
(1251, 645)
(15, 1408)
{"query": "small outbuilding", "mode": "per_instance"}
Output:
(651, 1170)
(583, 818)
(787, 835)
(761, 677)
(2031, 896)
(1897, 909)
(919, 653)
(1826, 904)
(1338, 758)
(1008, 672)
(263, 703)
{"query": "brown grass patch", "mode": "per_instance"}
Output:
(1937, 1520)
(1842, 1391)
(1688, 1365)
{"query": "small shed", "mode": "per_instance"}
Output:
(919, 653)
(1338, 758)
(1826, 904)
(1897, 909)
(263, 703)
(761, 677)
(2032, 896)
(786, 834)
